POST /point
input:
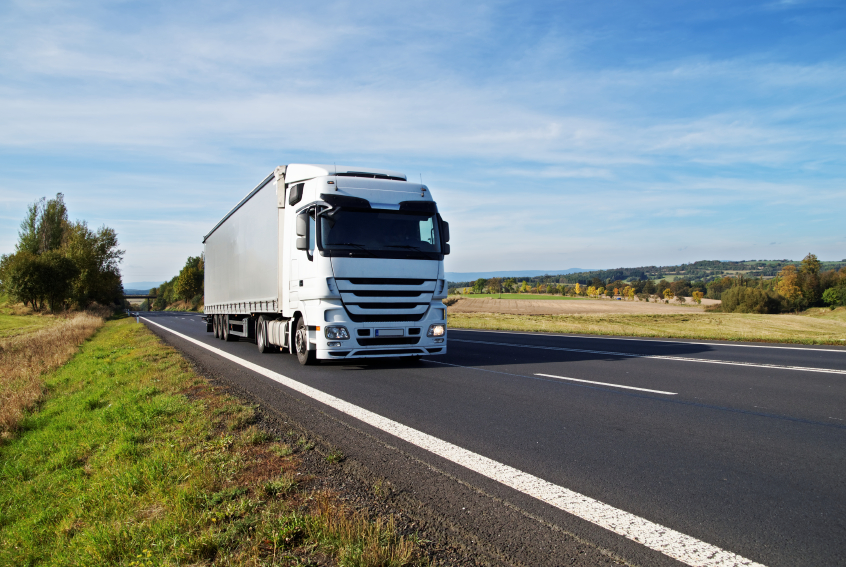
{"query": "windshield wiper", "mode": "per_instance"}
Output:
(410, 247)
(354, 244)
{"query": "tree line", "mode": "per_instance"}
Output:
(187, 285)
(792, 289)
(703, 270)
(59, 264)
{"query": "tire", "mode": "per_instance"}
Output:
(261, 335)
(216, 326)
(305, 356)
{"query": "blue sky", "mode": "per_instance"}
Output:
(553, 135)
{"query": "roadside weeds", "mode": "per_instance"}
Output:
(24, 360)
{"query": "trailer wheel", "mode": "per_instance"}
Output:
(261, 336)
(304, 355)
(216, 326)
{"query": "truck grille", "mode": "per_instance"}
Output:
(374, 300)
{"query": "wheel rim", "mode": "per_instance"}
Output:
(300, 341)
(260, 334)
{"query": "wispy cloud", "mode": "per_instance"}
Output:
(565, 125)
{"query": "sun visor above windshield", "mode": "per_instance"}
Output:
(419, 206)
(297, 172)
(345, 201)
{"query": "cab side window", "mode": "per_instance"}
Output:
(311, 232)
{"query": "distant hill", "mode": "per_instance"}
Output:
(703, 270)
(472, 276)
(143, 286)
(128, 291)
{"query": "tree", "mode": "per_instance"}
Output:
(524, 287)
(578, 288)
(697, 297)
(835, 296)
(495, 285)
(668, 293)
(97, 256)
(788, 287)
(809, 279)
(57, 261)
(649, 287)
(479, 285)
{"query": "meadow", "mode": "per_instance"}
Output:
(814, 326)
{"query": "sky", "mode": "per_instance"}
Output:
(552, 134)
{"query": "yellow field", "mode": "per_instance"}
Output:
(815, 326)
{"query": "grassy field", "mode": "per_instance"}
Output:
(518, 296)
(134, 460)
(815, 326)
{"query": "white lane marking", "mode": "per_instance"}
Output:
(648, 339)
(607, 384)
(675, 544)
(659, 357)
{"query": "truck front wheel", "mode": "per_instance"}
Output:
(216, 326)
(304, 355)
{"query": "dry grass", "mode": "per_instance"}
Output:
(26, 357)
(814, 327)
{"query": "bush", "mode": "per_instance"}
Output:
(751, 300)
(835, 296)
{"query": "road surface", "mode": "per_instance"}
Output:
(562, 449)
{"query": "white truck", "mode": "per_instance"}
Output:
(331, 263)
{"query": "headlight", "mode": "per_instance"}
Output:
(436, 331)
(336, 333)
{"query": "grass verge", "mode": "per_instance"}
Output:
(816, 326)
(26, 357)
(135, 460)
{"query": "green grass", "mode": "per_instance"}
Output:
(815, 326)
(516, 296)
(134, 460)
(14, 325)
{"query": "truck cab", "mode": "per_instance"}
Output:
(359, 269)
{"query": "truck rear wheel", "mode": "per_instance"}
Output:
(215, 326)
(304, 355)
(261, 336)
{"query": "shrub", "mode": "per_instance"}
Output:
(751, 300)
(835, 296)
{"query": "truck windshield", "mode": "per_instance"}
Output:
(380, 231)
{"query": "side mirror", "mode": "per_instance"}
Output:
(446, 231)
(295, 194)
(302, 243)
(302, 224)
(446, 248)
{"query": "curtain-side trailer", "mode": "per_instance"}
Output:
(330, 262)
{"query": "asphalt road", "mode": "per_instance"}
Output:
(741, 446)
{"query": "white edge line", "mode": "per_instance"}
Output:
(644, 339)
(674, 544)
(607, 384)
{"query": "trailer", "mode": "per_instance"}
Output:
(330, 263)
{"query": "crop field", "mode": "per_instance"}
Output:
(815, 326)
